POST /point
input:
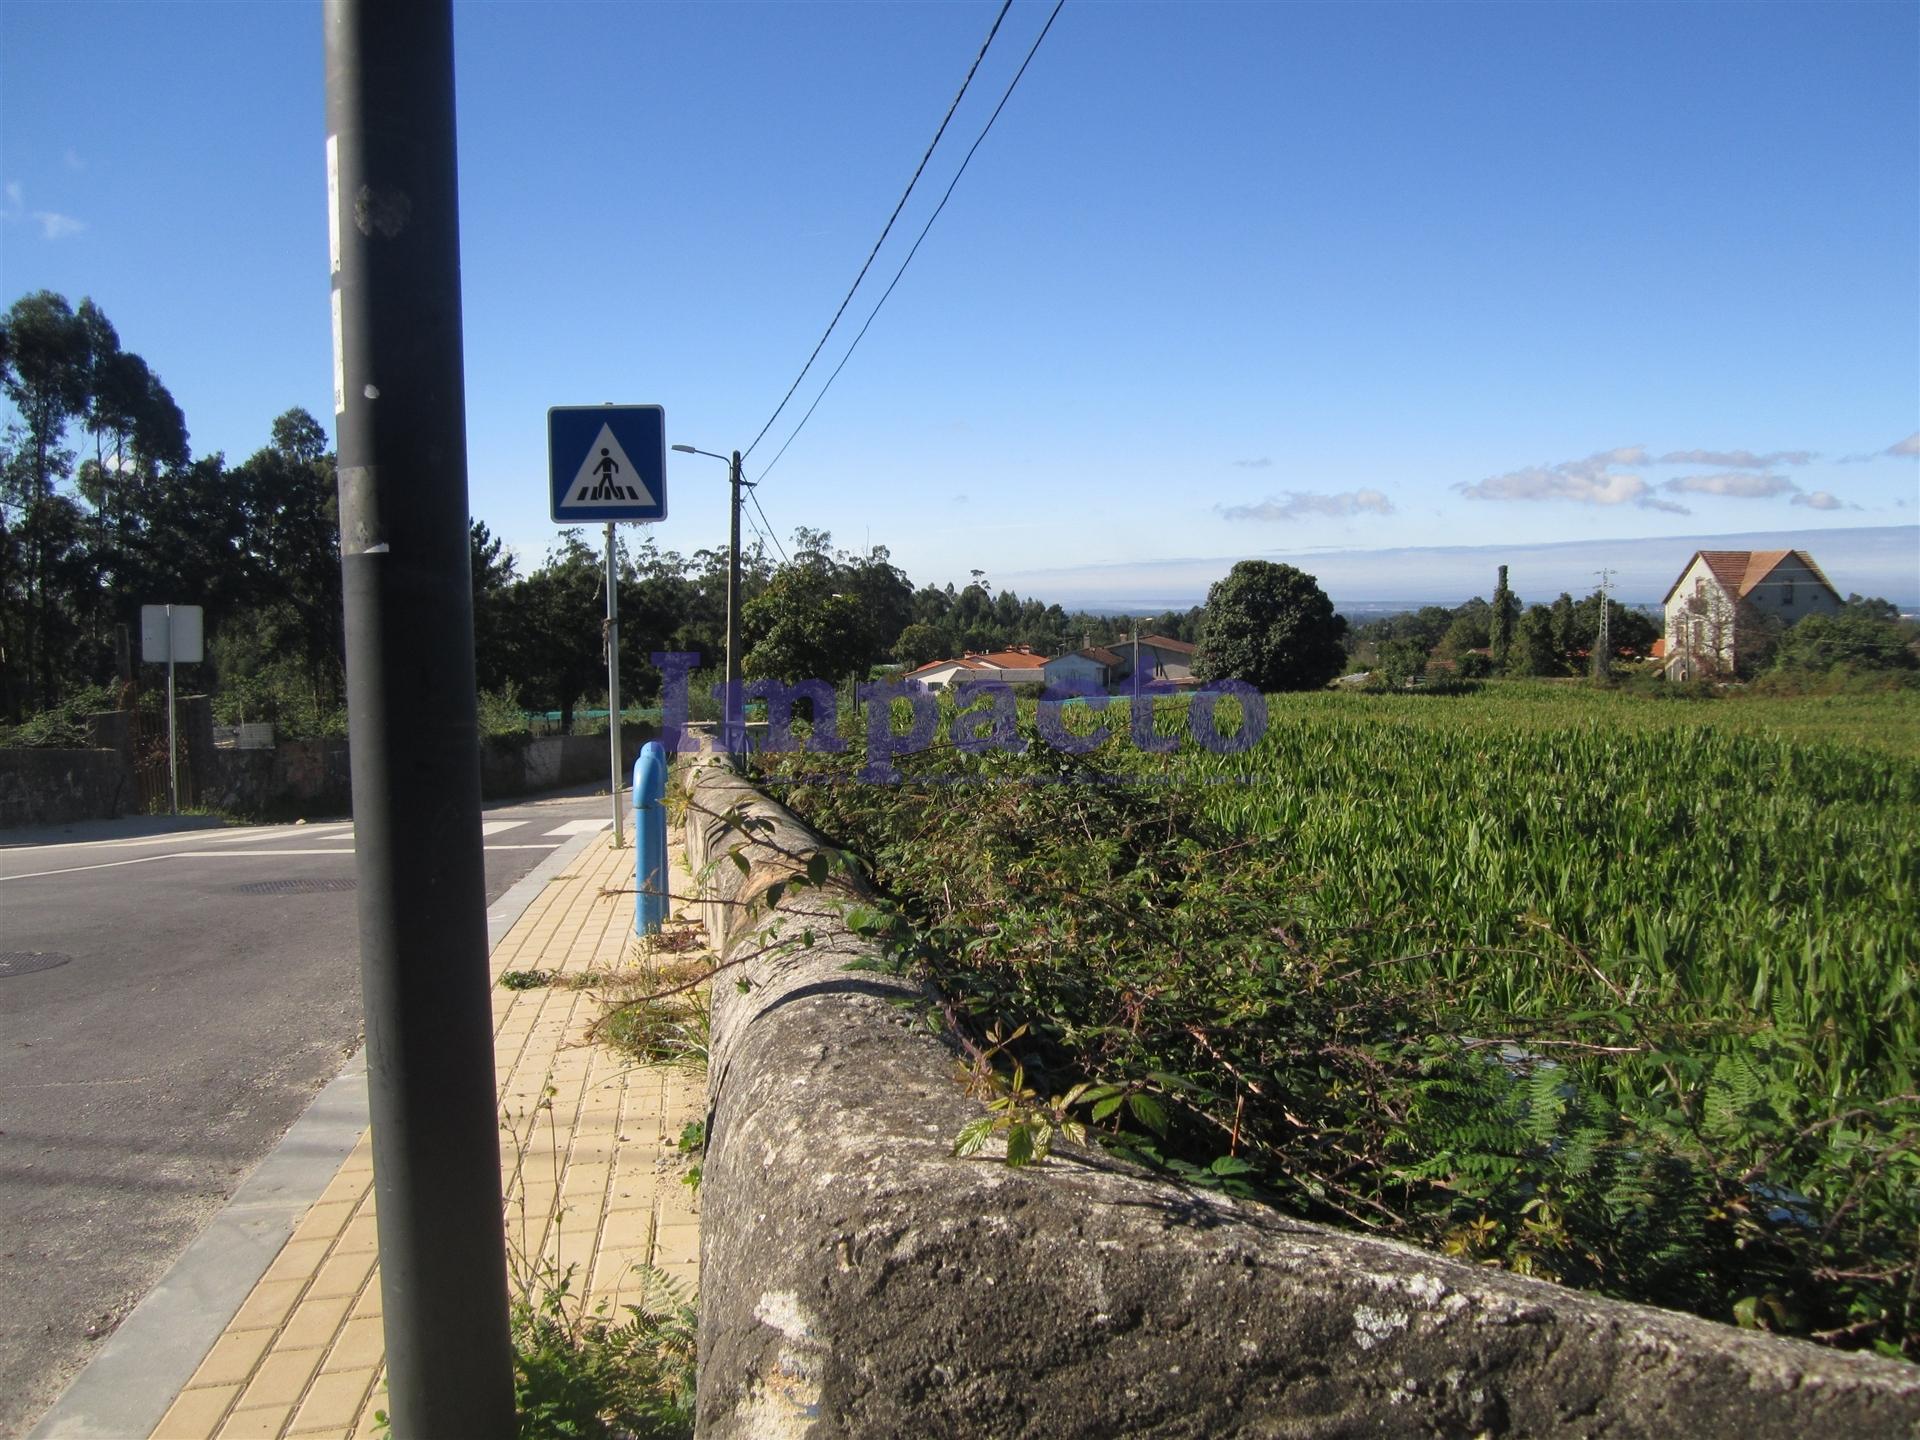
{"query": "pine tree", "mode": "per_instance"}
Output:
(1500, 624)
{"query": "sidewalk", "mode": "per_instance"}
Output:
(594, 1183)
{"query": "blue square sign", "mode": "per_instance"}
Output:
(607, 462)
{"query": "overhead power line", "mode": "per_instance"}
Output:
(771, 533)
(916, 244)
(887, 229)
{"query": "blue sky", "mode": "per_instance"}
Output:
(1225, 280)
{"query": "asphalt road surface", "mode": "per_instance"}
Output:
(207, 986)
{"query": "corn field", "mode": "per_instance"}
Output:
(1607, 989)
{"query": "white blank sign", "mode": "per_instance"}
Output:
(182, 641)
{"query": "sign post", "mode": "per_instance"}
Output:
(613, 679)
(608, 463)
(172, 633)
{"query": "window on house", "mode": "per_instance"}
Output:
(1700, 588)
(1786, 593)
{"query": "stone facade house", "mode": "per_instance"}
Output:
(1724, 601)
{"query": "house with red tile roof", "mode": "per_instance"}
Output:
(1018, 666)
(1724, 597)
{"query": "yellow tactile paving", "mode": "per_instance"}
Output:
(587, 1162)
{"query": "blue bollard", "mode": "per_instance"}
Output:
(650, 838)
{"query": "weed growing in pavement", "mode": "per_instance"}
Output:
(524, 979)
(582, 1373)
(657, 1030)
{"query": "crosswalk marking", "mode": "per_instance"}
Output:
(581, 827)
(494, 827)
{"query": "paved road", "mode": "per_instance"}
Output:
(211, 987)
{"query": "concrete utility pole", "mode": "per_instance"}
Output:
(733, 708)
(400, 410)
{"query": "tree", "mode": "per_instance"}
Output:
(1855, 637)
(1533, 651)
(44, 369)
(799, 628)
(1469, 630)
(1567, 639)
(558, 629)
(491, 570)
(1271, 626)
(1402, 663)
(1500, 622)
(918, 644)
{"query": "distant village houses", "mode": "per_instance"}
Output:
(1726, 601)
(1152, 658)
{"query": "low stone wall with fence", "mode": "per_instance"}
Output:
(857, 1279)
(293, 778)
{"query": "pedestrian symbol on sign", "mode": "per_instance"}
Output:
(605, 477)
(608, 488)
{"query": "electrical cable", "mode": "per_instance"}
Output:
(754, 495)
(916, 244)
(886, 230)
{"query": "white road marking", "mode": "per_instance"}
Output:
(172, 855)
(253, 835)
(581, 827)
(75, 869)
(281, 833)
(286, 832)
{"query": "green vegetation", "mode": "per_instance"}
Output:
(1271, 626)
(1602, 988)
(582, 1375)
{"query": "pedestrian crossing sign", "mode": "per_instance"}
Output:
(607, 462)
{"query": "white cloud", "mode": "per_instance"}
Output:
(1737, 459)
(1299, 504)
(1263, 463)
(1739, 484)
(1820, 500)
(1592, 481)
(55, 226)
(72, 157)
(1899, 450)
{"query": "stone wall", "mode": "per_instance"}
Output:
(858, 1280)
(58, 787)
(294, 778)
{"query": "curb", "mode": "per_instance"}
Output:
(125, 1389)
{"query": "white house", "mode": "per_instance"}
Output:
(1090, 669)
(1722, 594)
(1156, 657)
(1019, 666)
